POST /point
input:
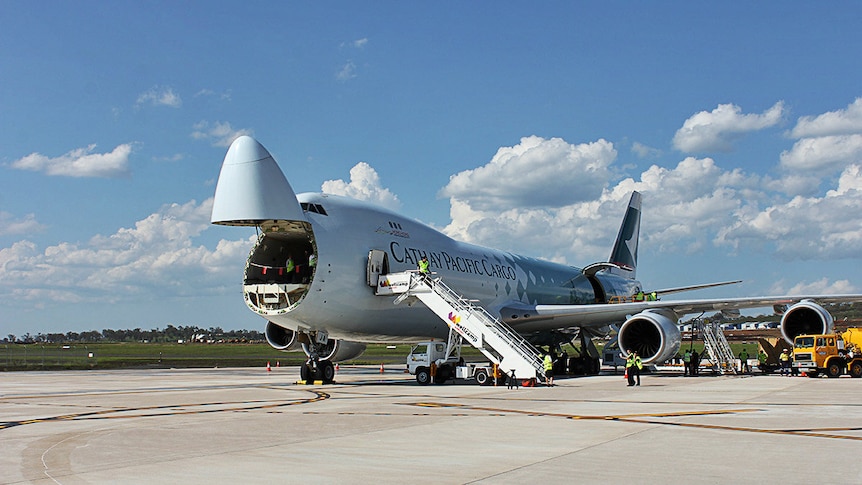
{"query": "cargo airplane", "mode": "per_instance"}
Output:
(324, 301)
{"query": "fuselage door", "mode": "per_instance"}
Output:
(378, 264)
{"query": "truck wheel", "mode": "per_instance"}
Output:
(423, 376)
(482, 378)
(834, 370)
(856, 369)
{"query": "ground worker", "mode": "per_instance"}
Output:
(743, 362)
(289, 268)
(633, 368)
(686, 361)
(785, 362)
(548, 362)
(761, 360)
(423, 266)
(312, 263)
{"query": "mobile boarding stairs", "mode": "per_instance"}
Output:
(496, 340)
(714, 341)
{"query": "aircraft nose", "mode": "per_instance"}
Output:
(252, 188)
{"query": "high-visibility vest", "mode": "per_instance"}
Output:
(549, 363)
(289, 265)
(423, 265)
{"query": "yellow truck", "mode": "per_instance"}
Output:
(832, 354)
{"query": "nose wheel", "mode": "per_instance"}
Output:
(322, 370)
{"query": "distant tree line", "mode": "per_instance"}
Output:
(841, 312)
(168, 334)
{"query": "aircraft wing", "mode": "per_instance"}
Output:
(525, 317)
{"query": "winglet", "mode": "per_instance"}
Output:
(625, 252)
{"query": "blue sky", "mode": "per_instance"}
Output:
(515, 125)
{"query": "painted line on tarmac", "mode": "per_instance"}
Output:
(637, 418)
(174, 410)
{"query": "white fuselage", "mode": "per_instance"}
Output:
(338, 298)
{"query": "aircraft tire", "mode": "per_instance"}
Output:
(423, 376)
(327, 371)
(306, 373)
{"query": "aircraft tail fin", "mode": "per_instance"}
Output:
(625, 253)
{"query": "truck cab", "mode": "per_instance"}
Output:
(825, 354)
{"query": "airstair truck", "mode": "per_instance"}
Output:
(430, 362)
(831, 354)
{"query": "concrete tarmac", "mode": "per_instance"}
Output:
(253, 426)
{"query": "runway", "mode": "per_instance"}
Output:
(253, 426)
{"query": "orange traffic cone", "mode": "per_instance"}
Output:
(277, 363)
(336, 367)
(268, 368)
(381, 368)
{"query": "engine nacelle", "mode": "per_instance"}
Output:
(337, 350)
(281, 338)
(805, 317)
(653, 334)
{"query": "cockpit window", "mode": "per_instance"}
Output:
(316, 208)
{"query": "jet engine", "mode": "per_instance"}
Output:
(281, 338)
(286, 340)
(653, 334)
(805, 317)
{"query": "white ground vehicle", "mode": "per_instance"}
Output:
(430, 362)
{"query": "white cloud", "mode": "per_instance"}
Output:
(839, 122)
(220, 134)
(806, 227)
(159, 96)
(10, 226)
(828, 142)
(825, 153)
(364, 185)
(819, 287)
(685, 206)
(80, 162)
(537, 172)
(794, 184)
(644, 151)
(688, 209)
(347, 72)
(355, 44)
(156, 257)
(209, 93)
(715, 131)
